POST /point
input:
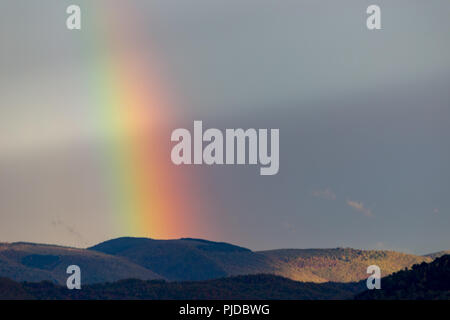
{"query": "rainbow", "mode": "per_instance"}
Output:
(148, 195)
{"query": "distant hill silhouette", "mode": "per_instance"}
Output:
(438, 254)
(240, 287)
(37, 262)
(423, 281)
(186, 259)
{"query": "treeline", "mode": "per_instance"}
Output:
(240, 287)
(425, 281)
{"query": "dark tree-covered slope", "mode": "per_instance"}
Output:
(423, 281)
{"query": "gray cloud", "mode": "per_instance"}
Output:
(352, 106)
(58, 223)
(327, 194)
(359, 206)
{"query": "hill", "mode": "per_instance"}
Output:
(427, 281)
(192, 260)
(37, 262)
(185, 259)
(438, 254)
(240, 287)
(197, 259)
(338, 265)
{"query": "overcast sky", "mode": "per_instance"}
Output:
(364, 118)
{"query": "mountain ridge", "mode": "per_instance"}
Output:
(35, 262)
(424, 281)
(223, 259)
(191, 259)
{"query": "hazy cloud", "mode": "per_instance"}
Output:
(57, 222)
(327, 194)
(288, 226)
(359, 206)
